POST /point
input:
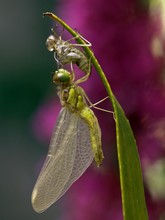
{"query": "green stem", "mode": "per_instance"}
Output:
(133, 199)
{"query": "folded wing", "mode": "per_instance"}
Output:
(68, 157)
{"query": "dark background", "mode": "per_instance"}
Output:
(25, 81)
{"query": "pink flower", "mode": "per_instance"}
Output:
(129, 45)
(87, 199)
(44, 119)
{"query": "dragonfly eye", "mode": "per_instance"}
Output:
(62, 76)
(51, 42)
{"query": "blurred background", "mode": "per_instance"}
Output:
(25, 81)
(128, 39)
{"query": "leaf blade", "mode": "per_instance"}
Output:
(133, 199)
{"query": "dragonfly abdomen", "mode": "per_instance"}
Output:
(95, 133)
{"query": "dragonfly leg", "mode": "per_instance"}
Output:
(72, 71)
(85, 44)
(91, 105)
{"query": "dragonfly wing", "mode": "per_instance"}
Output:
(60, 168)
(58, 164)
(83, 156)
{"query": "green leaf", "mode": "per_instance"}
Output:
(133, 199)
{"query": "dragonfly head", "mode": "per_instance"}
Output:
(62, 76)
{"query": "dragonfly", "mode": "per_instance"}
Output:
(66, 52)
(75, 142)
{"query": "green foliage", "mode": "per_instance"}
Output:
(133, 200)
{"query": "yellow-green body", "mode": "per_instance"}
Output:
(73, 98)
(75, 142)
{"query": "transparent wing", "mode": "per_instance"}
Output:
(84, 155)
(68, 157)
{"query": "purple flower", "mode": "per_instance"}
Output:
(87, 199)
(129, 45)
(44, 119)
